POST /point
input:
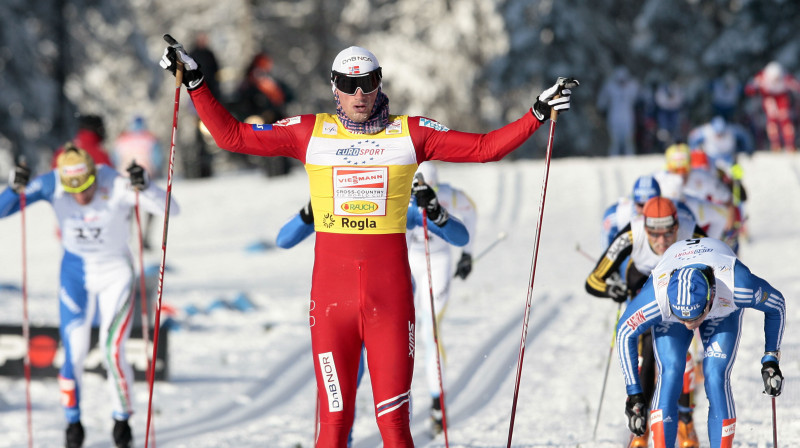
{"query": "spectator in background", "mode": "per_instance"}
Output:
(775, 86)
(669, 102)
(261, 99)
(726, 92)
(197, 159)
(617, 100)
(208, 61)
(721, 142)
(261, 93)
(89, 137)
(138, 144)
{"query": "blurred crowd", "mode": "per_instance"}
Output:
(759, 113)
(258, 96)
(734, 115)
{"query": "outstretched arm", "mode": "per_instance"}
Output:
(434, 141)
(751, 291)
(229, 133)
(42, 187)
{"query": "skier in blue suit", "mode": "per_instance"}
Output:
(699, 283)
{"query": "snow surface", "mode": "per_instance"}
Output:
(245, 379)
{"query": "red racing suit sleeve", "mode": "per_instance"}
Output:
(289, 139)
(433, 141)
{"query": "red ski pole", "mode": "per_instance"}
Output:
(26, 335)
(774, 426)
(151, 376)
(143, 298)
(521, 356)
(143, 285)
(433, 320)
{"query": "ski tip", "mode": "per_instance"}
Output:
(170, 40)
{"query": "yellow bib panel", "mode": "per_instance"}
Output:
(360, 184)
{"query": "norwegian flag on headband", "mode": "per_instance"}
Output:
(355, 70)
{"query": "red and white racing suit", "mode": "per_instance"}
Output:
(361, 292)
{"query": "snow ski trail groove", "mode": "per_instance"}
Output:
(519, 195)
(294, 371)
(492, 374)
(498, 202)
(796, 171)
(501, 369)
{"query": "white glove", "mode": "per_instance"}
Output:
(192, 76)
(546, 102)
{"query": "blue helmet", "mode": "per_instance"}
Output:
(644, 188)
(690, 291)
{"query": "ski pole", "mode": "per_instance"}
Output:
(26, 335)
(774, 426)
(583, 252)
(143, 297)
(142, 285)
(605, 377)
(178, 81)
(610, 351)
(521, 356)
(500, 237)
(421, 180)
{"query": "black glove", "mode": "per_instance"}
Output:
(192, 76)
(773, 378)
(464, 266)
(616, 288)
(138, 176)
(307, 214)
(546, 102)
(636, 411)
(426, 198)
(18, 178)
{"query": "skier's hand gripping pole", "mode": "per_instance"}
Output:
(178, 62)
(555, 99)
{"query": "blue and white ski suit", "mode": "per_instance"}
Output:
(96, 278)
(736, 288)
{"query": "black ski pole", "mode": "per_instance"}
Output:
(605, 377)
(500, 237)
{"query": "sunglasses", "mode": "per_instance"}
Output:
(656, 235)
(368, 82)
